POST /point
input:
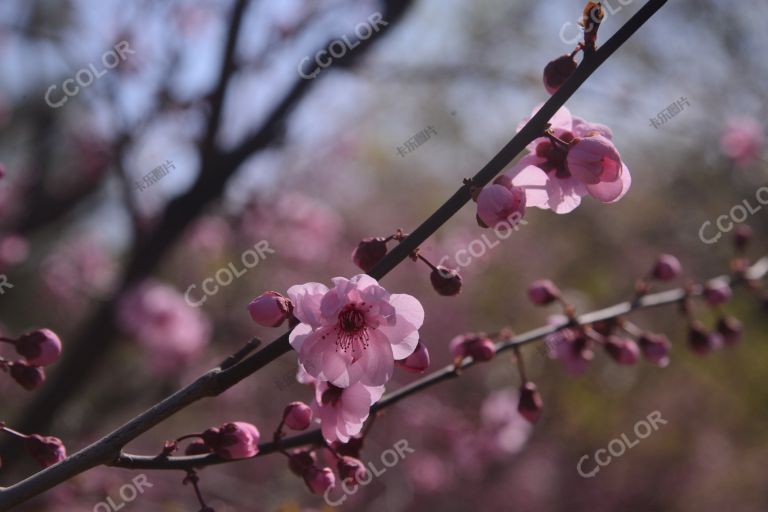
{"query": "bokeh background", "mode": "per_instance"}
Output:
(315, 169)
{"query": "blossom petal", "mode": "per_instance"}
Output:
(565, 194)
(404, 335)
(613, 191)
(534, 180)
(377, 363)
(306, 300)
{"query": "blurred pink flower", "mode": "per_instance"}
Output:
(354, 331)
(501, 418)
(556, 177)
(14, 249)
(297, 226)
(742, 140)
(342, 411)
(210, 234)
(173, 332)
(569, 346)
(81, 267)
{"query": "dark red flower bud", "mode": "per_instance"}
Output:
(446, 281)
(667, 268)
(350, 467)
(417, 362)
(655, 348)
(730, 329)
(543, 292)
(742, 237)
(369, 252)
(622, 350)
(47, 451)
(477, 346)
(300, 461)
(29, 377)
(530, 404)
(40, 348)
(319, 480)
(557, 72)
(699, 339)
(717, 292)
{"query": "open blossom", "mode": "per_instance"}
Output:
(342, 411)
(556, 175)
(355, 331)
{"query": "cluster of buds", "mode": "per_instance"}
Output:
(446, 281)
(230, 441)
(46, 450)
(38, 348)
(303, 463)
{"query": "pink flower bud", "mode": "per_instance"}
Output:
(2, 171)
(594, 160)
(655, 348)
(446, 281)
(530, 404)
(270, 309)
(197, 447)
(742, 237)
(730, 329)
(352, 468)
(417, 362)
(557, 72)
(499, 203)
(543, 292)
(699, 339)
(234, 440)
(319, 480)
(297, 415)
(40, 348)
(622, 350)
(369, 252)
(29, 377)
(477, 346)
(47, 451)
(667, 268)
(717, 292)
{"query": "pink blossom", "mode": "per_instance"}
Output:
(742, 140)
(355, 331)
(165, 325)
(556, 176)
(500, 416)
(499, 202)
(342, 411)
